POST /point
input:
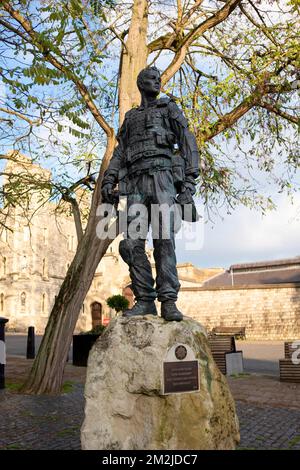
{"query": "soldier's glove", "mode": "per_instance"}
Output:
(185, 197)
(190, 186)
(188, 208)
(108, 193)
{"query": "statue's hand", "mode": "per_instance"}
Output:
(188, 186)
(107, 193)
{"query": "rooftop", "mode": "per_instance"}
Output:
(283, 271)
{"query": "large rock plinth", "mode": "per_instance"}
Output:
(125, 406)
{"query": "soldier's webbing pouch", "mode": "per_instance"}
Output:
(178, 169)
(123, 173)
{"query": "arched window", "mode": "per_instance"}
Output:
(2, 303)
(4, 266)
(23, 299)
(96, 311)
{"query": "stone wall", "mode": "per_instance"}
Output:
(268, 312)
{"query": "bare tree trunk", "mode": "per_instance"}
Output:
(46, 375)
(134, 58)
(47, 371)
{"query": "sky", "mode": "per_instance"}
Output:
(247, 236)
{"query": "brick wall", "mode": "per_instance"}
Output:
(267, 312)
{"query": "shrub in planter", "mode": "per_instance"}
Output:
(118, 302)
(83, 343)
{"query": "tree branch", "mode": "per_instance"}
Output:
(188, 15)
(38, 43)
(76, 214)
(229, 119)
(262, 28)
(279, 112)
(182, 49)
(255, 99)
(21, 116)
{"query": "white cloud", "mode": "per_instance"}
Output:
(248, 236)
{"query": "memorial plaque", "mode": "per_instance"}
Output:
(180, 370)
(181, 377)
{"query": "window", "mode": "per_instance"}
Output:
(2, 303)
(4, 235)
(45, 236)
(26, 233)
(24, 263)
(4, 266)
(44, 269)
(71, 244)
(23, 299)
(43, 303)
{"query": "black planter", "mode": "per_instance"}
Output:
(81, 348)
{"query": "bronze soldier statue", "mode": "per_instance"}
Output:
(148, 170)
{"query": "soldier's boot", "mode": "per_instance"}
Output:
(141, 308)
(170, 312)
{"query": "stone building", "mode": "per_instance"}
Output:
(263, 297)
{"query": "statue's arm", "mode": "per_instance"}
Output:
(187, 145)
(112, 172)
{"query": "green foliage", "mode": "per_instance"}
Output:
(293, 442)
(244, 57)
(67, 386)
(117, 302)
(42, 113)
(13, 386)
(14, 446)
(240, 375)
(254, 48)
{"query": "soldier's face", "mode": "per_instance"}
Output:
(151, 83)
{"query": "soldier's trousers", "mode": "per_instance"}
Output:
(155, 192)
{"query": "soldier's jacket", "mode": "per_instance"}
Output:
(146, 143)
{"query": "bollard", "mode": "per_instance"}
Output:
(30, 354)
(2, 351)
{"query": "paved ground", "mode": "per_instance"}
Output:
(54, 423)
(265, 390)
(41, 422)
(16, 344)
(268, 428)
